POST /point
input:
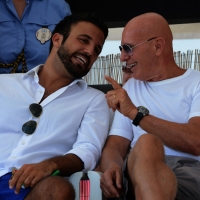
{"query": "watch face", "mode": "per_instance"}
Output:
(143, 110)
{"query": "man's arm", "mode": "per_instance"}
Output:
(30, 174)
(181, 137)
(67, 164)
(112, 161)
(114, 152)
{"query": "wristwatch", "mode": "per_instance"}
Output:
(142, 111)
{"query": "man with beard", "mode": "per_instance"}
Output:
(51, 121)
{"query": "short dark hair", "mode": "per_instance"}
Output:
(64, 26)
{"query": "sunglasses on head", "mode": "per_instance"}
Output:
(129, 50)
(30, 126)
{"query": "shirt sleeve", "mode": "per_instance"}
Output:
(195, 108)
(121, 126)
(92, 133)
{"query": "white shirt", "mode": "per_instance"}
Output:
(75, 119)
(176, 100)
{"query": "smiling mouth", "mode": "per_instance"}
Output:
(127, 68)
(81, 59)
(130, 66)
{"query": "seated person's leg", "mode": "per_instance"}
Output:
(51, 188)
(149, 176)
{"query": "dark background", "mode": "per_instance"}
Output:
(116, 13)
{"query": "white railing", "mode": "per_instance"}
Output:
(111, 65)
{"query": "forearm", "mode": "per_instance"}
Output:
(114, 152)
(67, 164)
(111, 159)
(182, 137)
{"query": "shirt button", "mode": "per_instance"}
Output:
(23, 143)
(14, 157)
(41, 91)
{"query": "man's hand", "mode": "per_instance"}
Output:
(111, 182)
(29, 174)
(118, 99)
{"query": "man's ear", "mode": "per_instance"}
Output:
(57, 40)
(159, 45)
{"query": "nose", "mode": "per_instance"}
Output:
(90, 50)
(124, 56)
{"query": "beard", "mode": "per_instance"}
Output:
(75, 70)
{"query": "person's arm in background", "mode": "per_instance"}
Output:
(38, 20)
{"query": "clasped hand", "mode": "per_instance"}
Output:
(28, 175)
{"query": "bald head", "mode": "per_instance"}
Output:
(149, 25)
(152, 59)
(146, 26)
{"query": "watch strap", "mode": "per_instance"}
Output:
(137, 119)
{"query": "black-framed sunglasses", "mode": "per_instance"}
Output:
(129, 50)
(30, 126)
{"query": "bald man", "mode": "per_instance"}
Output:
(157, 117)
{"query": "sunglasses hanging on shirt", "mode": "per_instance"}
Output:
(30, 126)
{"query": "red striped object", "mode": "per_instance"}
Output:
(84, 187)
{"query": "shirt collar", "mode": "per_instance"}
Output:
(34, 72)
